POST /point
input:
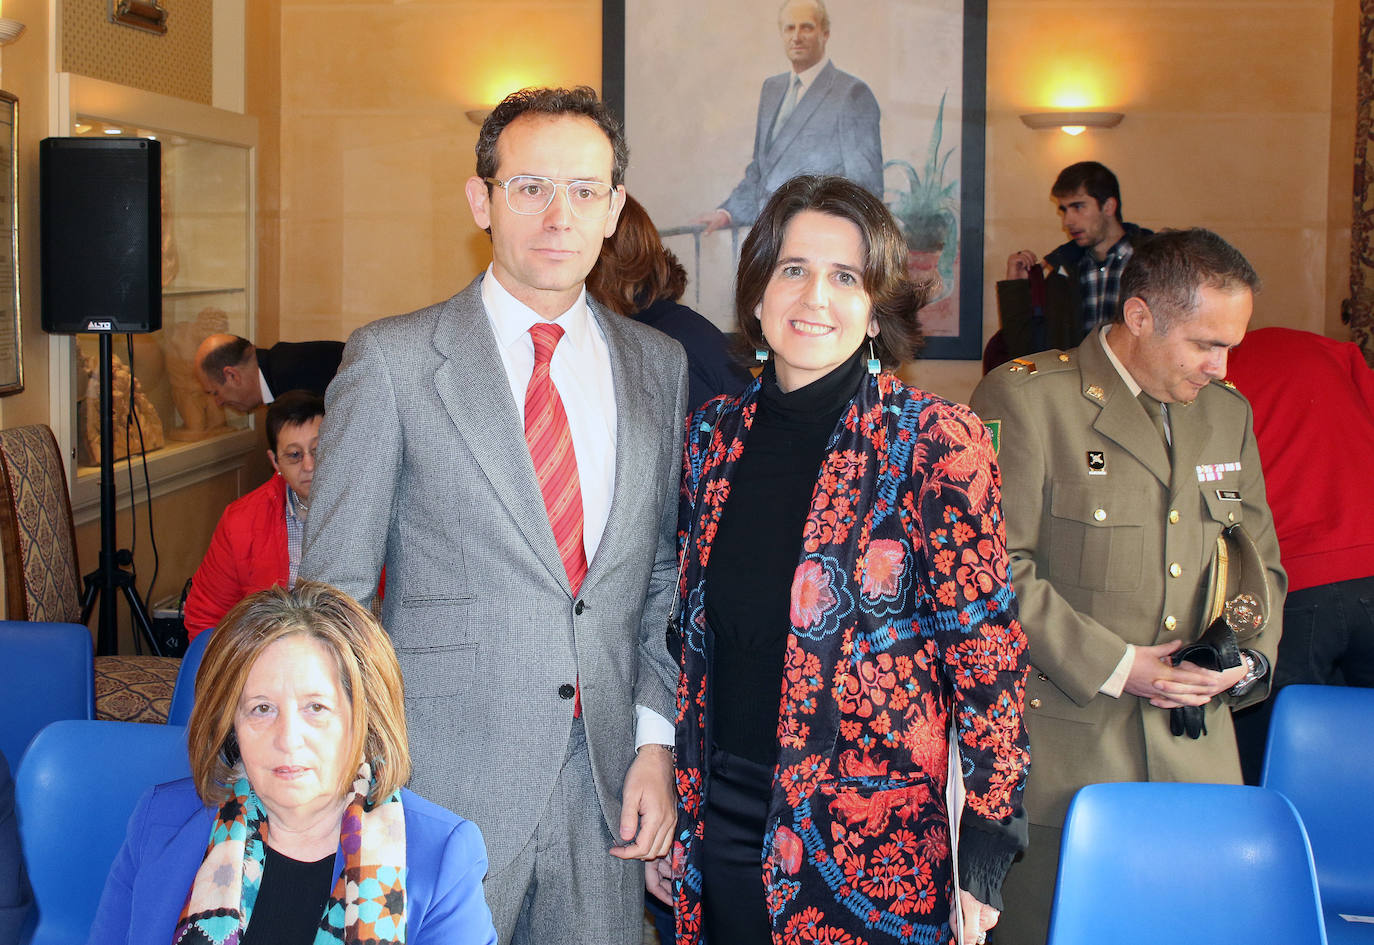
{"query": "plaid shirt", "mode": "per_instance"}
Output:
(1100, 283)
(295, 529)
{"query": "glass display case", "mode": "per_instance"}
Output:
(208, 266)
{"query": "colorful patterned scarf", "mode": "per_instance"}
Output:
(367, 903)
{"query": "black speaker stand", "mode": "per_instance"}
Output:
(110, 576)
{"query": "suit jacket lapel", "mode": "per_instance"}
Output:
(637, 434)
(473, 388)
(810, 101)
(1122, 418)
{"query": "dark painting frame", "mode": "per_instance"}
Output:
(966, 343)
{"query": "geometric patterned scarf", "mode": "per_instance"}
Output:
(367, 903)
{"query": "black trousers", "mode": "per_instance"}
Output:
(1328, 640)
(732, 903)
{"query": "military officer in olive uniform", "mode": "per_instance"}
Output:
(1114, 503)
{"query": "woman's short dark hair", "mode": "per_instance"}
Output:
(895, 298)
(292, 408)
(552, 103)
(634, 270)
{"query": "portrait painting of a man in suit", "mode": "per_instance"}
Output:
(813, 119)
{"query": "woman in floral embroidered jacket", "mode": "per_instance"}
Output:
(836, 626)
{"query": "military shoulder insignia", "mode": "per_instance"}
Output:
(1228, 385)
(995, 429)
(1097, 463)
(1022, 364)
(1063, 357)
(1096, 393)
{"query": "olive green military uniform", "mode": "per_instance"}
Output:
(1112, 543)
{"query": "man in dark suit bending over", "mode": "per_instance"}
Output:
(238, 375)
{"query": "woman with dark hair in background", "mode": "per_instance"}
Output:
(846, 603)
(636, 277)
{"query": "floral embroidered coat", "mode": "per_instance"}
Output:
(903, 624)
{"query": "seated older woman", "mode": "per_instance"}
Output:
(294, 827)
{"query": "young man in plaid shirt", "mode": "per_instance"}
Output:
(1088, 266)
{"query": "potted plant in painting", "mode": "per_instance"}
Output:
(926, 212)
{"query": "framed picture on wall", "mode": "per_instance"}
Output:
(893, 98)
(11, 350)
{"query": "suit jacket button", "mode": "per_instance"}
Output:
(579, 608)
(566, 691)
(1035, 703)
(1175, 569)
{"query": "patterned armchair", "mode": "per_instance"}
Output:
(43, 577)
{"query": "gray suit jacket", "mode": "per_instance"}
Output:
(424, 467)
(833, 130)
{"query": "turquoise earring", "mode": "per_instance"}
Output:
(874, 365)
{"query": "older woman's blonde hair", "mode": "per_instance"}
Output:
(368, 675)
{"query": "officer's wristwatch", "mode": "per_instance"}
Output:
(1256, 668)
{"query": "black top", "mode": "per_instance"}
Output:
(291, 900)
(711, 369)
(757, 546)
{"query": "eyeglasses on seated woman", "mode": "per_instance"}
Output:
(294, 827)
(846, 603)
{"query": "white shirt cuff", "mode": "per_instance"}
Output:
(652, 729)
(1116, 682)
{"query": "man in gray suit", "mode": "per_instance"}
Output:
(538, 683)
(813, 119)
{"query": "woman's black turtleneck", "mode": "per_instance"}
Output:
(756, 550)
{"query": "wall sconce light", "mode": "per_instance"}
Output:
(10, 30)
(1074, 123)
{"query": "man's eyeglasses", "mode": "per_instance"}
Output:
(294, 457)
(527, 195)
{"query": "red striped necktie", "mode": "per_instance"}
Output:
(555, 463)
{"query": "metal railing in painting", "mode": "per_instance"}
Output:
(695, 231)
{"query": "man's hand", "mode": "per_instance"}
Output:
(648, 812)
(1019, 264)
(715, 220)
(658, 879)
(978, 918)
(1167, 686)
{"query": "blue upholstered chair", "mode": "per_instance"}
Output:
(45, 675)
(1320, 756)
(1142, 864)
(75, 790)
(184, 695)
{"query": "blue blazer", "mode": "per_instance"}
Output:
(152, 874)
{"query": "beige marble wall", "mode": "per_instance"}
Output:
(1229, 125)
(375, 146)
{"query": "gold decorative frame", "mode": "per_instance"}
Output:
(11, 347)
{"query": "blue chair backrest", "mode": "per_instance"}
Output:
(75, 790)
(46, 673)
(1320, 756)
(1142, 864)
(184, 694)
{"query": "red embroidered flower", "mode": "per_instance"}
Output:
(812, 595)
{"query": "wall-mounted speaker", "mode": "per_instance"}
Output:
(101, 239)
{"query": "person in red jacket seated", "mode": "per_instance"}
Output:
(257, 542)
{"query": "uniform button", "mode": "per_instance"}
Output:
(1099, 514)
(1173, 516)
(1170, 622)
(1035, 703)
(579, 608)
(1175, 569)
(566, 691)
(1230, 516)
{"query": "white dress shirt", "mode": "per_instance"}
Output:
(581, 370)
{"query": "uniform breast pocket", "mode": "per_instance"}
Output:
(1223, 502)
(1095, 538)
